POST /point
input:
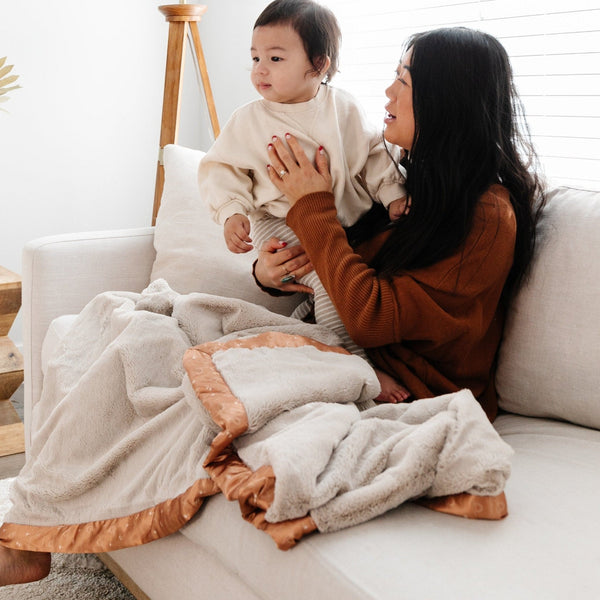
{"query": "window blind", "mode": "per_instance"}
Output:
(554, 48)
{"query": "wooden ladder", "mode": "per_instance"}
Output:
(182, 18)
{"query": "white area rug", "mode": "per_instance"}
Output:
(72, 576)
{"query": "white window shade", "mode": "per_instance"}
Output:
(554, 49)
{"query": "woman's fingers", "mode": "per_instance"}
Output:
(272, 245)
(293, 174)
(282, 162)
(276, 261)
(322, 163)
(291, 160)
(280, 251)
(296, 157)
(296, 287)
(293, 262)
(299, 273)
(287, 160)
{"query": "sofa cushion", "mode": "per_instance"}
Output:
(191, 254)
(549, 360)
(545, 548)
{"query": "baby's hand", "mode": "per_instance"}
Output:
(398, 207)
(236, 230)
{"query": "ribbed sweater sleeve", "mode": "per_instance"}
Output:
(437, 329)
(446, 303)
(366, 304)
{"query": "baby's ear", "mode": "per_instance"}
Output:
(324, 66)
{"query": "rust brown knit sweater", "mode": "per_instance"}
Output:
(437, 329)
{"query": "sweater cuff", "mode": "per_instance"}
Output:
(388, 192)
(229, 209)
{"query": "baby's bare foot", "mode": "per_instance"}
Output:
(22, 566)
(391, 390)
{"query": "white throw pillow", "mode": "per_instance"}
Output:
(191, 254)
(549, 361)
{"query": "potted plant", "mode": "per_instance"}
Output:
(6, 81)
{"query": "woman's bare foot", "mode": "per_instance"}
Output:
(22, 566)
(391, 390)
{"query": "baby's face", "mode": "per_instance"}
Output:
(281, 70)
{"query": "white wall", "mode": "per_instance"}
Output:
(78, 148)
(226, 32)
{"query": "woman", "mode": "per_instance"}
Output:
(426, 296)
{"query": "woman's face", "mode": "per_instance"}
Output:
(400, 120)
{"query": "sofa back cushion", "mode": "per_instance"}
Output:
(191, 254)
(549, 360)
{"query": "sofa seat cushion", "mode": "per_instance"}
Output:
(546, 547)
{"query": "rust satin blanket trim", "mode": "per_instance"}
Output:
(255, 490)
(469, 505)
(111, 534)
(214, 393)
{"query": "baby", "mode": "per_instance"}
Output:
(295, 45)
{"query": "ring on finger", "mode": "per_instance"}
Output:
(282, 173)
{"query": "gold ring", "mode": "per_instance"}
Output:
(282, 173)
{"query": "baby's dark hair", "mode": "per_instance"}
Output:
(316, 25)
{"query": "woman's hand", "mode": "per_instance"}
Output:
(278, 266)
(292, 173)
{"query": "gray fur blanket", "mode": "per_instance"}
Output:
(156, 401)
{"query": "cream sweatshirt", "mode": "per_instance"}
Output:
(233, 174)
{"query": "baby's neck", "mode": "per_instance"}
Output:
(314, 95)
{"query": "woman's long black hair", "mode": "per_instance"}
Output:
(470, 133)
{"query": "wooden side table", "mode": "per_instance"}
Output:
(12, 439)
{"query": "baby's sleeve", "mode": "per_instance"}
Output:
(224, 185)
(226, 189)
(382, 173)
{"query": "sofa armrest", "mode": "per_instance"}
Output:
(62, 273)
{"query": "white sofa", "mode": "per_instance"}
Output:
(548, 378)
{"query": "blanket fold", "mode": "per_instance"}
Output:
(156, 401)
